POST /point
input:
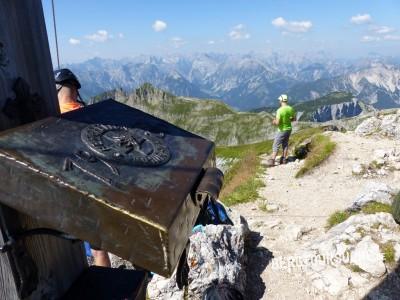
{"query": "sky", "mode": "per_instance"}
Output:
(121, 28)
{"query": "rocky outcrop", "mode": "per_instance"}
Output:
(384, 161)
(216, 255)
(384, 125)
(337, 111)
(350, 255)
(354, 255)
(374, 192)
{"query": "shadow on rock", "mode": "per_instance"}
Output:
(389, 288)
(258, 260)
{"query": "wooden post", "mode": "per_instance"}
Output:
(27, 92)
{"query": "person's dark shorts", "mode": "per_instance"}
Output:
(281, 138)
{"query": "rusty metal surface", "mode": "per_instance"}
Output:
(210, 184)
(112, 175)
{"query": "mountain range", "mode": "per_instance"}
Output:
(248, 81)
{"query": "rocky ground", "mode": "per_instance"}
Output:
(294, 256)
(285, 246)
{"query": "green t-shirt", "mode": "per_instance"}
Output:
(285, 115)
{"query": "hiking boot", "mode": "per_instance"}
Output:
(284, 161)
(270, 163)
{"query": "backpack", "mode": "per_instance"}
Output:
(213, 212)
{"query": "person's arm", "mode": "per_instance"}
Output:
(293, 118)
(277, 119)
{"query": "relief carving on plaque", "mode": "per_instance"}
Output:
(109, 146)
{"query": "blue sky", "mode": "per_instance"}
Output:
(121, 28)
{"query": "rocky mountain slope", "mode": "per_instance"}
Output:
(333, 106)
(377, 83)
(209, 118)
(247, 81)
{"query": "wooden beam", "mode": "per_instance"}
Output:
(25, 55)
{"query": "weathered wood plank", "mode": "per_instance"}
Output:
(59, 261)
(8, 288)
(24, 52)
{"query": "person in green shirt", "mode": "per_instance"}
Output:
(283, 120)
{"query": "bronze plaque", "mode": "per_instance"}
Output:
(111, 175)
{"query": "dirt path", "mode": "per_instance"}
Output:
(304, 203)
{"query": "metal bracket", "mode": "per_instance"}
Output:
(209, 186)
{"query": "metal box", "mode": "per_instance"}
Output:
(125, 181)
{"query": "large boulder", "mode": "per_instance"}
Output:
(348, 258)
(369, 126)
(387, 125)
(216, 255)
(374, 192)
(368, 257)
(390, 126)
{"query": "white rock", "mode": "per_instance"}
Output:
(369, 126)
(272, 207)
(357, 281)
(357, 169)
(335, 282)
(381, 172)
(388, 236)
(273, 224)
(368, 257)
(381, 154)
(397, 251)
(295, 232)
(319, 284)
(374, 191)
(390, 126)
(396, 166)
(216, 254)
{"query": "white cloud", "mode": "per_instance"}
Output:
(177, 42)
(159, 25)
(239, 33)
(100, 36)
(292, 26)
(381, 29)
(391, 37)
(121, 35)
(211, 42)
(73, 41)
(279, 22)
(368, 39)
(361, 19)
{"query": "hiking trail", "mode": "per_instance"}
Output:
(301, 208)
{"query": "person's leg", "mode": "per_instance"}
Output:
(275, 147)
(101, 258)
(285, 144)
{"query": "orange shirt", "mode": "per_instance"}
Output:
(66, 107)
